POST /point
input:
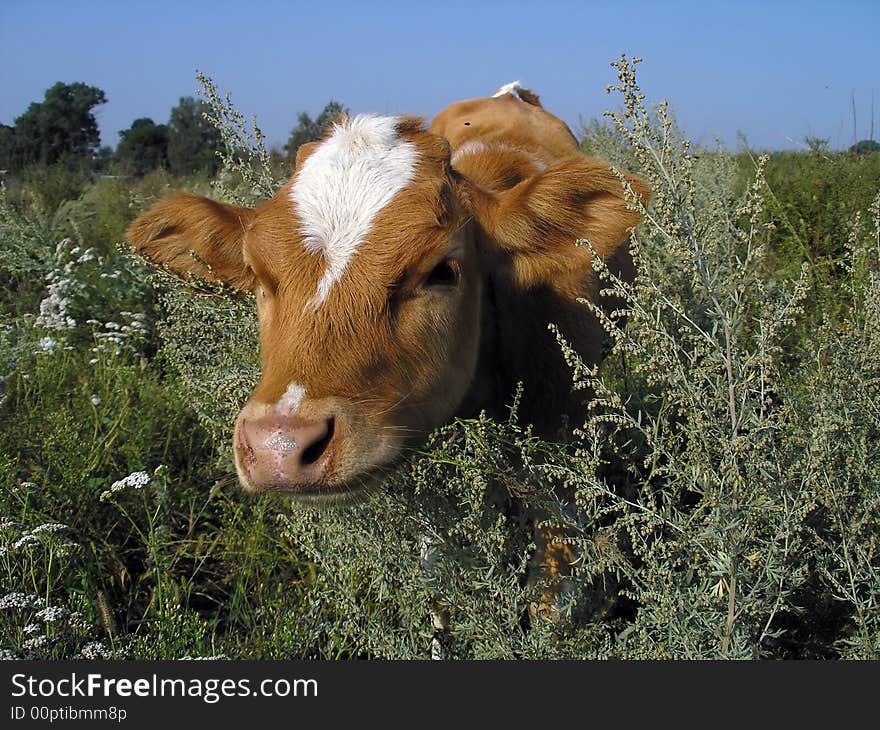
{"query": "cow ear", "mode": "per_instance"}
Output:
(191, 234)
(538, 220)
(303, 152)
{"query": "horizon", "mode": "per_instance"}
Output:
(749, 69)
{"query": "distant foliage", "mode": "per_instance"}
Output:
(192, 139)
(62, 125)
(187, 145)
(142, 147)
(50, 187)
(813, 198)
(311, 130)
(817, 144)
(7, 147)
(866, 146)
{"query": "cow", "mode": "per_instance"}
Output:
(405, 275)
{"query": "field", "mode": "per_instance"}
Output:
(726, 479)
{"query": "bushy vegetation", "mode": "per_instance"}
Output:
(722, 495)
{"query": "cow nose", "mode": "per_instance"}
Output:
(280, 452)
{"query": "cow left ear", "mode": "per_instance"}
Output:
(538, 220)
(191, 234)
(303, 152)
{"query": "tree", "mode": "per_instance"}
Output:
(864, 147)
(7, 146)
(143, 147)
(308, 130)
(192, 139)
(103, 158)
(60, 126)
(817, 145)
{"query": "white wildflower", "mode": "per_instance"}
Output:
(24, 541)
(38, 642)
(20, 600)
(96, 401)
(135, 480)
(54, 308)
(96, 650)
(77, 622)
(51, 614)
(48, 527)
(32, 628)
(47, 344)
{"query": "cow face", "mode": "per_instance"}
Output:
(367, 284)
(367, 268)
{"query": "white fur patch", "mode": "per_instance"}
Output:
(512, 88)
(289, 402)
(345, 182)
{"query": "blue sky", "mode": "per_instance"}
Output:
(776, 71)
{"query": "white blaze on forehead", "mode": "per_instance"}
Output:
(289, 402)
(512, 88)
(343, 184)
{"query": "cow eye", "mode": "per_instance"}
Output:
(445, 274)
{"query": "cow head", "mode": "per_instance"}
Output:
(368, 268)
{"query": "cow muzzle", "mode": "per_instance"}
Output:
(281, 452)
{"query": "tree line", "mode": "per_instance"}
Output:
(62, 129)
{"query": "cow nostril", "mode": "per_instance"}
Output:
(316, 450)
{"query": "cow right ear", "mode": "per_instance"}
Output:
(191, 234)
(303, 152)
(538, 220)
